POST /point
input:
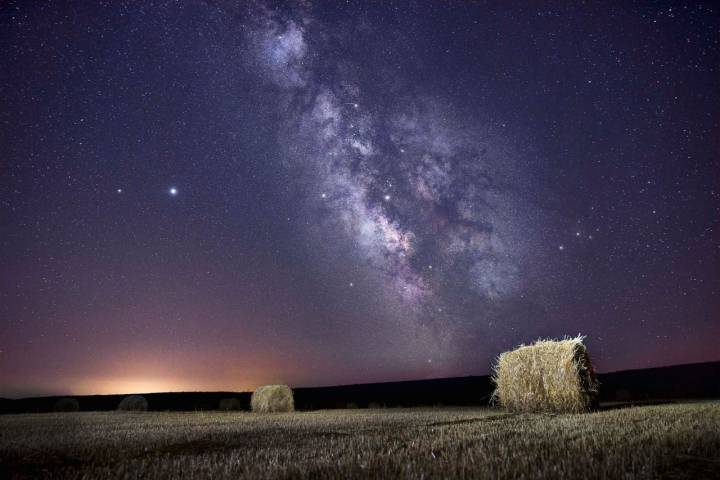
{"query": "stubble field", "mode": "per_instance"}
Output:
(663, 441)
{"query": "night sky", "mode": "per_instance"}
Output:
(215, 195)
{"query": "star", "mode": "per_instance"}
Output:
(386, 198)
(173, 191)
(561, 247)
(119, 190)
(323, 195)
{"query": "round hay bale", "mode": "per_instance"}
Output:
(133, 403)
(228, 404)
(547, 376)
(67, 404)
(272, 399)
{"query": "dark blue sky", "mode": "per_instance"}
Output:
(362, 192)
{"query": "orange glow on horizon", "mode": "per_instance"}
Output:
(129, 385)
(154, 372)
(133, 385)
(145, 370)
(177, 379)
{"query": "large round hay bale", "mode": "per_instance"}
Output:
(133, 403)
(67, 404)
(547, 376)
(228, 404)
(272, 398)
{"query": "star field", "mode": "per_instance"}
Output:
(213, 195)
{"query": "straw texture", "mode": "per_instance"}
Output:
(547, 376)
(272, 398)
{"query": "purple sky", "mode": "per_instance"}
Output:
(211, 196)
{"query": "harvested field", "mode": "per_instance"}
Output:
(663, 441)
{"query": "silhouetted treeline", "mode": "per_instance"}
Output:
(173, 401)
(694, 381)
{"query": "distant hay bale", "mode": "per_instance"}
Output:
(67, 404)
(547, 376)
(133, 403)
(230, 404)
(272, 398)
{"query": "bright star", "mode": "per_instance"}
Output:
(173, 191)
(119, 190)
(387, 198)
(561, 247)
(323, 195)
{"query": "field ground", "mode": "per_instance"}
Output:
(662, 441)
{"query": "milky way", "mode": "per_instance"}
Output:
(424, 204)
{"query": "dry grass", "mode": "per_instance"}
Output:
(665, 441)
(547, 376)
(272, 399)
